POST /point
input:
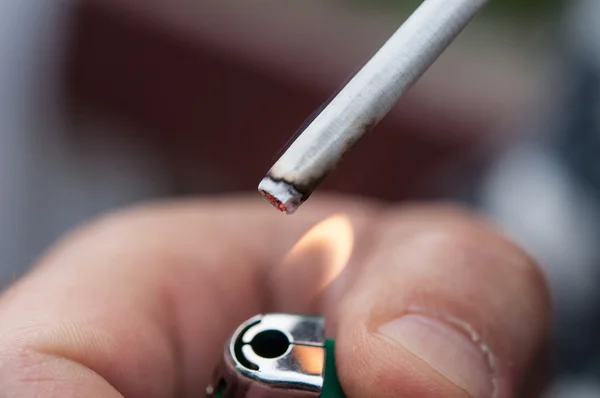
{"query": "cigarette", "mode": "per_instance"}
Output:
(365, 100)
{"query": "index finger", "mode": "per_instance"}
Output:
(139, 302)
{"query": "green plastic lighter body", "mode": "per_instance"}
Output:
(331, 384)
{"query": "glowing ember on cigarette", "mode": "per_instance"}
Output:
(280, 194)
(271, 199)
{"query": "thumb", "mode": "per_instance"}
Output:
(441, 308)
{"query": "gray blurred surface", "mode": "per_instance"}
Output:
(47, 185)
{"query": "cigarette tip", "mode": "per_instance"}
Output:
(280, 195)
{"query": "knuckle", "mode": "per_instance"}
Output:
(460, 242)
(485, 255)
(467, 241)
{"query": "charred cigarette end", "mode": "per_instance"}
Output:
(281, 194)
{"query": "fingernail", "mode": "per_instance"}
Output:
(445, 349)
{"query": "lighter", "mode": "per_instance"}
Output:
(279, 356)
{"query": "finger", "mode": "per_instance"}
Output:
(442, 307)
(139, 303)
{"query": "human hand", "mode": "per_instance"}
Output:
(431, 302)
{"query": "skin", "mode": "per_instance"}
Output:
(139, 302)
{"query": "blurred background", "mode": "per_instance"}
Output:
(104, 103)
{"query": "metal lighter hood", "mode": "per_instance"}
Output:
(273, 355)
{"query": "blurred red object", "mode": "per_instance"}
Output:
(221, 86)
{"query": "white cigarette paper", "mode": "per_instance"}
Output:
(365, 100)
